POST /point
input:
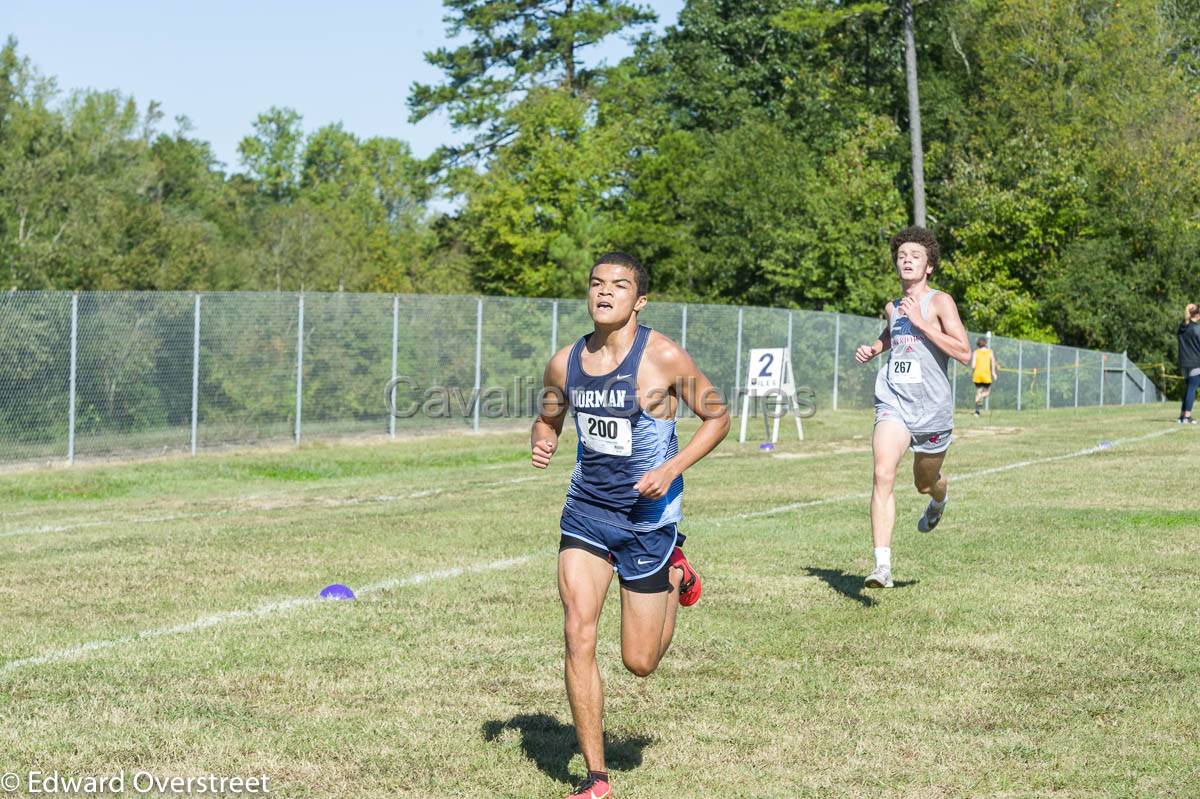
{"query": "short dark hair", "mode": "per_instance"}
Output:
(982, 342)
(918, 235)
(618, 258)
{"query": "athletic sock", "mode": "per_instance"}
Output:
(939, 505)
(883, 558)
(598, 775)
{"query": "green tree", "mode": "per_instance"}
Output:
(534, 179)
(515, 47)
(1072, 201)
(533, 221)
(272, 154)
(373, 194)
(776, 224)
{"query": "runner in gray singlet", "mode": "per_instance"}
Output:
(913, 405)
(913, 388)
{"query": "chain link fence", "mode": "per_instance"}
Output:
(110, 373)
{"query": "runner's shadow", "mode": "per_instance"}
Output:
(849, 585)
(551, 744)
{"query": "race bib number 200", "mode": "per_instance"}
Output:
(605, 434)
(905, 370)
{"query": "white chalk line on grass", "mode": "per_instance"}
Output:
(62, 528)
(954, 478)
(267, 506)
(285, 605)
(383, 499)
(267, 609)
(1051, 459)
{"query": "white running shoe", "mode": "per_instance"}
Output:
(930, 518)
(880, 578)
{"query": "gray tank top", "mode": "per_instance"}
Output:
(914, 381)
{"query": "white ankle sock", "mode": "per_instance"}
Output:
(883, 557)
(939, 505)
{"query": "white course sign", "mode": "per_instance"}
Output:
(770, 379)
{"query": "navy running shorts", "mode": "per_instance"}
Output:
(639, 558)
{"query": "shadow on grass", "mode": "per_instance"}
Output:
(850, 585)
(550, 744)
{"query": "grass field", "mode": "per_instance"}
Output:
(1044, 641)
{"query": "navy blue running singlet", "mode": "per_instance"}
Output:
(618, 443)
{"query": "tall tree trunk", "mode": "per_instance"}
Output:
(914, 115)
(569, 56)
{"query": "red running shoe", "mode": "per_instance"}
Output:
(592, 788)
(689, 589)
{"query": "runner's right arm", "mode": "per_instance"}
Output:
(552, 410)
(868, 351)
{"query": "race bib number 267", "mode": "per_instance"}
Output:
(905, 370)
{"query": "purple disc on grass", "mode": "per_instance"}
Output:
(767, 445)
(337, 591)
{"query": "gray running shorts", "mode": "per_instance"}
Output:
(928, 443)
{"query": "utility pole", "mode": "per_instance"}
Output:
(914, 114)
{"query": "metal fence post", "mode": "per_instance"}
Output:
(953, 383)
(1124, 369)
(74, 358)
(837, 355)
(1020, 370)
(1143, 388)
(195, 371)
(680, 405)
(478, 357)
(553, 328)
(299, 365)
(737, 373)
(395, 357)
(1047, 377)
(1103, 358)
(1076, 377)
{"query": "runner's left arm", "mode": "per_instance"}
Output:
(696, 391)
(945, 330)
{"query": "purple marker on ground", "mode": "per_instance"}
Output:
(337, 591)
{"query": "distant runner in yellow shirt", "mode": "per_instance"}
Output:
(983, 368)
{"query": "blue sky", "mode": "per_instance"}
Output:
(221, 62)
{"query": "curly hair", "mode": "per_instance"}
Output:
(918, 235)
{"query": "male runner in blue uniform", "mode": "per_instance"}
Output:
(623, 382)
